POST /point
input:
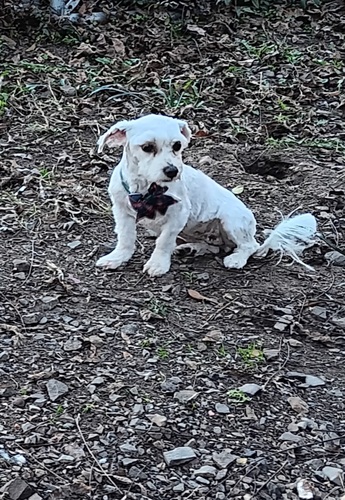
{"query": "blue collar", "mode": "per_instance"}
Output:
(124, 183)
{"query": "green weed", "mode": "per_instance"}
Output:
(292, 56)
(332, 144)
(237, 396)
(189, 276)
(88, 408)
(181, 94)
(3, 102)
(158, 307)
(260, 51)
(59, 411)
(162, 353)
(251, 355)
(222, 351)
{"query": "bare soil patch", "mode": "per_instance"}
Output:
(264, 96)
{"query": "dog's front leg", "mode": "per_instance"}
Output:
(125, 228)
(160, 260)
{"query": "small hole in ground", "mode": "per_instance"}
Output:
(275, 168)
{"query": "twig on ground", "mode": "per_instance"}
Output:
(100, 468)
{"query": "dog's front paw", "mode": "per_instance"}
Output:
(112, 261)
(157, 266)
(235, 261)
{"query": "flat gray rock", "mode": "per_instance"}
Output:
(128, 449)
(56, 389)
(288, 436)
(179, 488)
(221, 408)
(334, 474)
(314, 381)
(250, 389)
(72, 344)
(186, 395)
(310, 380)
(179, 456)
(224, 458)
(335, 258)
(206, 471)
(19, 489)
(319, 312)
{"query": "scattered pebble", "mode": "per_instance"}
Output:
(72, 344)
(186, 395)
(250, 389)
(32, 319)
(318, 311)
(222, 408)
(56, 389)
(206, 471)
(19, 402)
(335, 258)
(179, 456)
(98, 381)
(18, 489)
(288, 436)
(4, 356)
(159, 420)
(283, 322)
(224, 458)
(128, 449)
(74, 244)
(304, 489)
(298, 405)
(21, 265)
(271, 354)
(334, 474)
(310, 380)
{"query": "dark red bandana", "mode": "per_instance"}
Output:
(152, 202)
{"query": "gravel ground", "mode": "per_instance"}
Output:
(205, 383)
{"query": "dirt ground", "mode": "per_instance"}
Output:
(102, 373)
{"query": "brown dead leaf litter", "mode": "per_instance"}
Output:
(206, 383)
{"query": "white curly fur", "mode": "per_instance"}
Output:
(205, 210)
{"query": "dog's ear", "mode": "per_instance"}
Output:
(185, 130)
(115, 136)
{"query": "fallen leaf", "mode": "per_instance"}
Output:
(119, 47)
(198, 296)
(196, 29)
(238, 189)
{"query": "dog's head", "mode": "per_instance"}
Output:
(153, 146)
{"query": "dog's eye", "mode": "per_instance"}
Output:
(177, 146)
(148, 148)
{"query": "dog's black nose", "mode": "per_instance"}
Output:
(170, 171)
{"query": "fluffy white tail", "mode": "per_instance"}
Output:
(291, 237)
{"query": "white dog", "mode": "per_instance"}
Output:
(152, 185)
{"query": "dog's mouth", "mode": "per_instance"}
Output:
(176, 178)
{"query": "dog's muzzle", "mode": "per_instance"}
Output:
(170, 171)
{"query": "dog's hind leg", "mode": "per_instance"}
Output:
(241, 230)
(196, 248)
